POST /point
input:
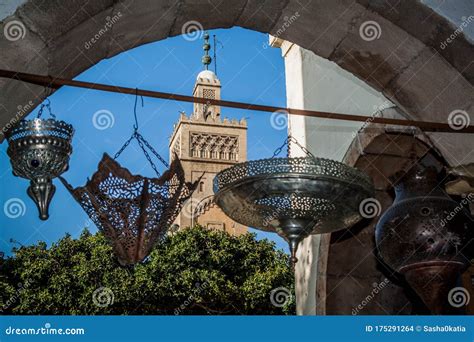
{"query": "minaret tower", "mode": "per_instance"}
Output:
(207, 144)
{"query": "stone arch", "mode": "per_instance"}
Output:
(405, 61)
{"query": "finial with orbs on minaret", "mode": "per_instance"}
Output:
(207, 86)
(206, 59)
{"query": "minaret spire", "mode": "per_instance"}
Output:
(206, 59)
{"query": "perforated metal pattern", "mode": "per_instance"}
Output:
(133, 212)
(323, 195)
(43, 128)
(424, 224)
(303, 165)
(40, 148)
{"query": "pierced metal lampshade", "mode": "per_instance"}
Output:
(426, 236)
(39, 150)
(294, 197)
(133, 212)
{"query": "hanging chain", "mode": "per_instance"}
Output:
(304, 149)
(145, 152)
(287, 142)
(142, 142)
(288, 146)
(46, 105)
(157, 155)
(279, 149)
(124, 146)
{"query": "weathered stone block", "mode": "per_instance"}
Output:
(81, 47)
(376, 50)
(53, 18)
(318, 27)
(141, 22)
(209, 14)
(261, 15)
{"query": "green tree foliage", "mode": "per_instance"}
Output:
(194, 271)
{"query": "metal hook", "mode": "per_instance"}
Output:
(142, 142)
(135, 126)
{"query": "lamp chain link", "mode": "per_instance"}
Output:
(288, 146)
(46, 105)
(142, 142)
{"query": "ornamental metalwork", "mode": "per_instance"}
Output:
(39, 150)
(294, 197)
(132, 211)
(426, 236)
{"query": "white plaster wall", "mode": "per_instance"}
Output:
(318, 84)
(328, 88)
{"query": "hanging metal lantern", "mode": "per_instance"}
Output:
(294, 197)
(39, 150)
(425, 235)
(132, 211)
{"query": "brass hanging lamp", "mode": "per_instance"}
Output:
(39, 150)
(294, 197)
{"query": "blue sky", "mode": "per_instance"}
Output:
(249, 71)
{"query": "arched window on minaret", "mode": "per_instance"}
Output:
(214, 152)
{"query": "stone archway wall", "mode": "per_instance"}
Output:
(405, 63)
